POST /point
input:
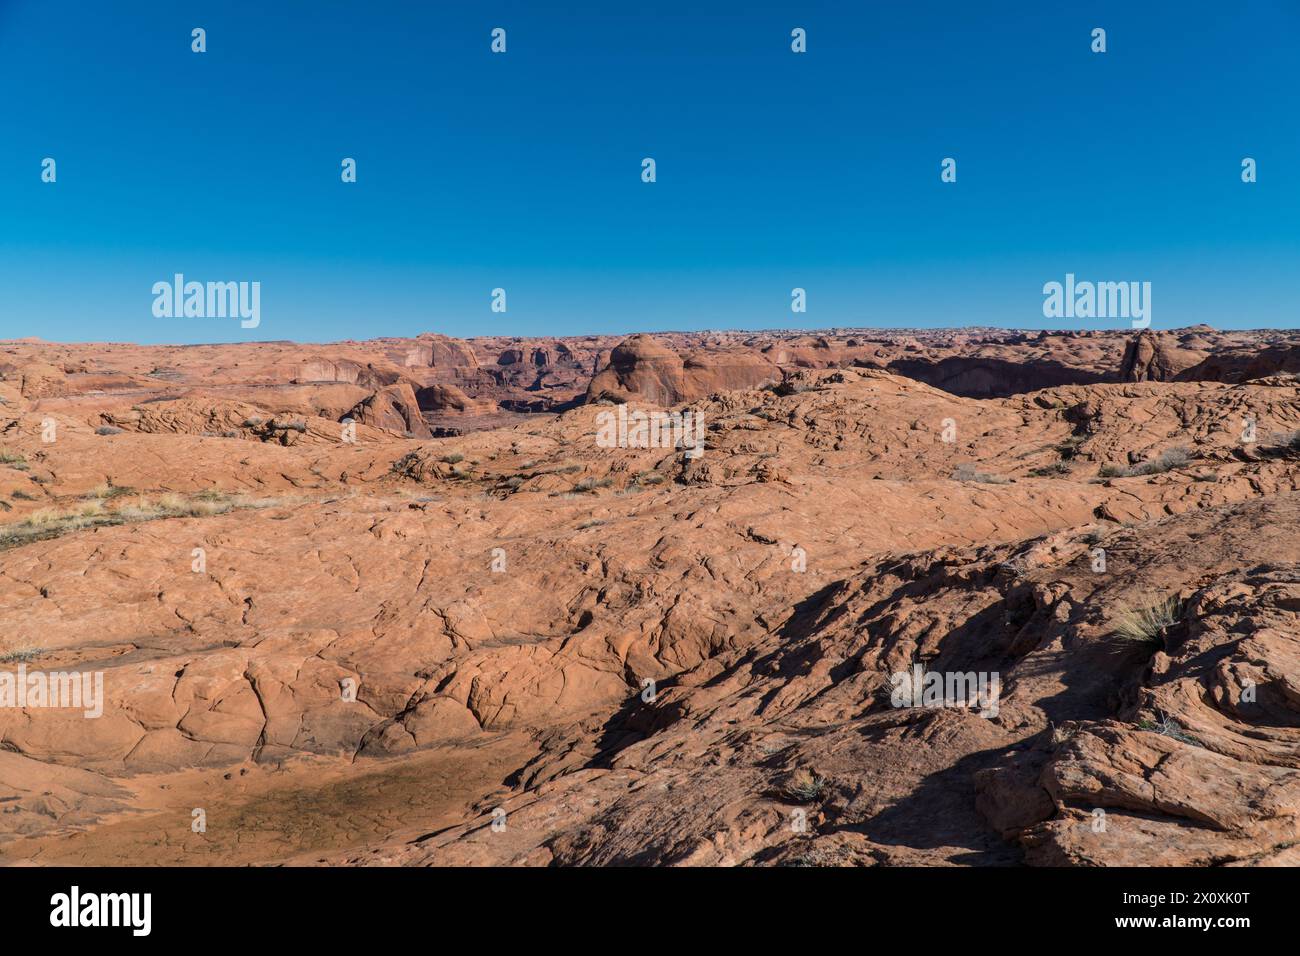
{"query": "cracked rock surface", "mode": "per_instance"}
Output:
(514, 645)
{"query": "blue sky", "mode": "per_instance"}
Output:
(522, 170)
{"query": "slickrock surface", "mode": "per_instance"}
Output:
(513, 644)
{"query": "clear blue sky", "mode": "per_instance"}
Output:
(522, 170)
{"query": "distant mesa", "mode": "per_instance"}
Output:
(642, 368)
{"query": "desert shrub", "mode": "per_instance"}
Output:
(1169, 727)
(1070, 447)
(10, 458)
(19, 655)
(1168, 460)
(452, 459)
(967, 472)
(805, 786)
(108, 430)
(1048, 471)
(1145, 625)
(108, 490)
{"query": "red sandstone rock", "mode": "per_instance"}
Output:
(498, 601)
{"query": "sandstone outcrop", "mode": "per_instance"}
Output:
(640, 655)
(1155, 357)
(642, 368)
(395, 408)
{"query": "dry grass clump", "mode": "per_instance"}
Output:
(1146, 625)
(805, 786)
(968, 472)
(1056, 468)
(108, 490)
(124, 508)
(1168, 460)
(591, 485)
(1168, 727)
(294, 425)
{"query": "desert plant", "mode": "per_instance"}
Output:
(1145, 625)
(108, 490)
(1062, 734)
(92, 513)
(452, 459)
(968, 472)
(1070, 447)
(108, 430)
(1056, 468)
(20, 655)
(10, 458)
(805, 786)
(1167, 460)
(1169, 727)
